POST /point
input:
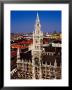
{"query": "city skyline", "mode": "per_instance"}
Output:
(24, 21)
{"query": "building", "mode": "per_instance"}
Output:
(40, 61)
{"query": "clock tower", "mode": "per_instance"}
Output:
(37, 49)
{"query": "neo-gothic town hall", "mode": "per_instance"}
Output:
(39, 61)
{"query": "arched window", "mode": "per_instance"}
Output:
(36, 61)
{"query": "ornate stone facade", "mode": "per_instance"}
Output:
(39, 62)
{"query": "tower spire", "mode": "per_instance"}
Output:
(37, 20)
(37, 25)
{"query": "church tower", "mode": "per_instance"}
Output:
(37, 49)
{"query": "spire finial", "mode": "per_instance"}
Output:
(55, 63)
(37, 14)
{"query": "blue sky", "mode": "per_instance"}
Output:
(24, 21)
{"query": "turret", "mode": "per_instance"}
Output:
(19, 63)
(55, 64)
(18, 53)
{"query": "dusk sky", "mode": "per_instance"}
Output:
(24, 21)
